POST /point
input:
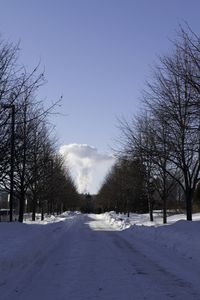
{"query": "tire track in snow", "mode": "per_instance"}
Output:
(153, 274)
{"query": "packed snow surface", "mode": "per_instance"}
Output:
(107, 256)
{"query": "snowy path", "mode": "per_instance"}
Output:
(92, 260)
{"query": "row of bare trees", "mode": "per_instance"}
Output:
(41, 182)
(165, 136)
(123, 189)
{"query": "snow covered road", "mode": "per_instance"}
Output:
(91, 259)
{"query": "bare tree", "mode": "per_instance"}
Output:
(167, 134)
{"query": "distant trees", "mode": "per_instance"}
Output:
(123, 189)
(165, 137)
(41, 181)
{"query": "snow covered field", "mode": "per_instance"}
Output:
(107, 256)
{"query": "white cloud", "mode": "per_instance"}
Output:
(87, 165)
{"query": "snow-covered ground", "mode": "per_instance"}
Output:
(106, 256)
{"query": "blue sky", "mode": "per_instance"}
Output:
(96, 53)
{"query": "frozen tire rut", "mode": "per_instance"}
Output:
(91, 260)
(158, 282)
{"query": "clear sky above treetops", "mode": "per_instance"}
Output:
(96, 53)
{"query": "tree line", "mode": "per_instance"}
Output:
(158, 161)
(41, 181)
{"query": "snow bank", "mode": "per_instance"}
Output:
(117, 220)
(178, 235)
(21, 245)
(50, 218)
(182, 237)
(123, 221)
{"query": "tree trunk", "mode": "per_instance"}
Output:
(150, 209)
(21, 206)
(188, 198)
(42, 212)
(164, 210)
(22, 188)
(34, 207)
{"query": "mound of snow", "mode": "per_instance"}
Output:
(178, 235)
(21, 245)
